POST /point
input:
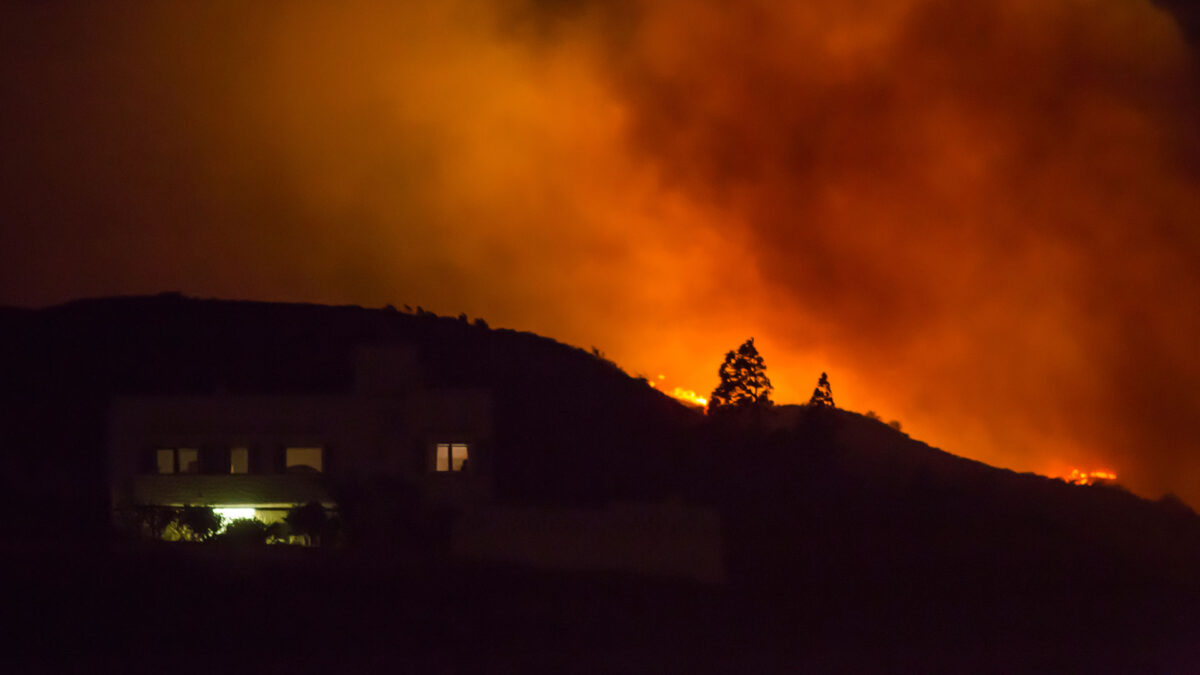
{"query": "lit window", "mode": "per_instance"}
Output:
(189, 460)
(165, 460)
(304, 460)
(239, 460)
(452, 457)
(177, 460)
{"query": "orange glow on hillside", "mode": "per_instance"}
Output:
(1077, 477)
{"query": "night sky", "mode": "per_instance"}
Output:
(980, 218)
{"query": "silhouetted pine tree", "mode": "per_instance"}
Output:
(744, 382)
(823, 394)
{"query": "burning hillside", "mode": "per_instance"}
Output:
(1077, 477)
(688, 396)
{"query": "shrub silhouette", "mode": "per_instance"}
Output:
(248, 531)
(153, 521)
(309, 521)
(278, 533)
(1171, 503)
(199, 523)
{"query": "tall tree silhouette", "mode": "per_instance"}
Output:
(823, 394)
(744, 382)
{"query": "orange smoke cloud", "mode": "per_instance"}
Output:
(979, 218)
(984, 215)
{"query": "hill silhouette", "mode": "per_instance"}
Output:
(584, 429)
(849, 540)
(572, 425)
(839, 528)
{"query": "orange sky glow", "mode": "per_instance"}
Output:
(981, 219)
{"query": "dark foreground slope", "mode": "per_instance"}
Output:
(850, 547)
(851, 550)
(851, 540)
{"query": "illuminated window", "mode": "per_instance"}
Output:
(189, 460)
(239, 460)
(177, 460)
(164, 460)
(304, 460)
(451, 457)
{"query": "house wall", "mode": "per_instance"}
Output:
(362, 436)
(386, 370)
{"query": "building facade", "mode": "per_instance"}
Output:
(259, 455)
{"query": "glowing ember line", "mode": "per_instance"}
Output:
(1077, 477)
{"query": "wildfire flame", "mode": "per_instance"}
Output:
(689, 396)
(1077, 477)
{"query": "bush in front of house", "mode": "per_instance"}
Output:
(244, 531)
(199, 523)
(278, 533)
(313, 522)
(153, 521)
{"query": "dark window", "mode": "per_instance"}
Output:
(164, 460)
(239, 460)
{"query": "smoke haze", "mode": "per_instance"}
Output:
(980, 218)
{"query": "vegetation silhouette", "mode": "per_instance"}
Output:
(245, 532)
(199, 523)
(310, 521)
(152, 521)
(823, 394)
(744, 384)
